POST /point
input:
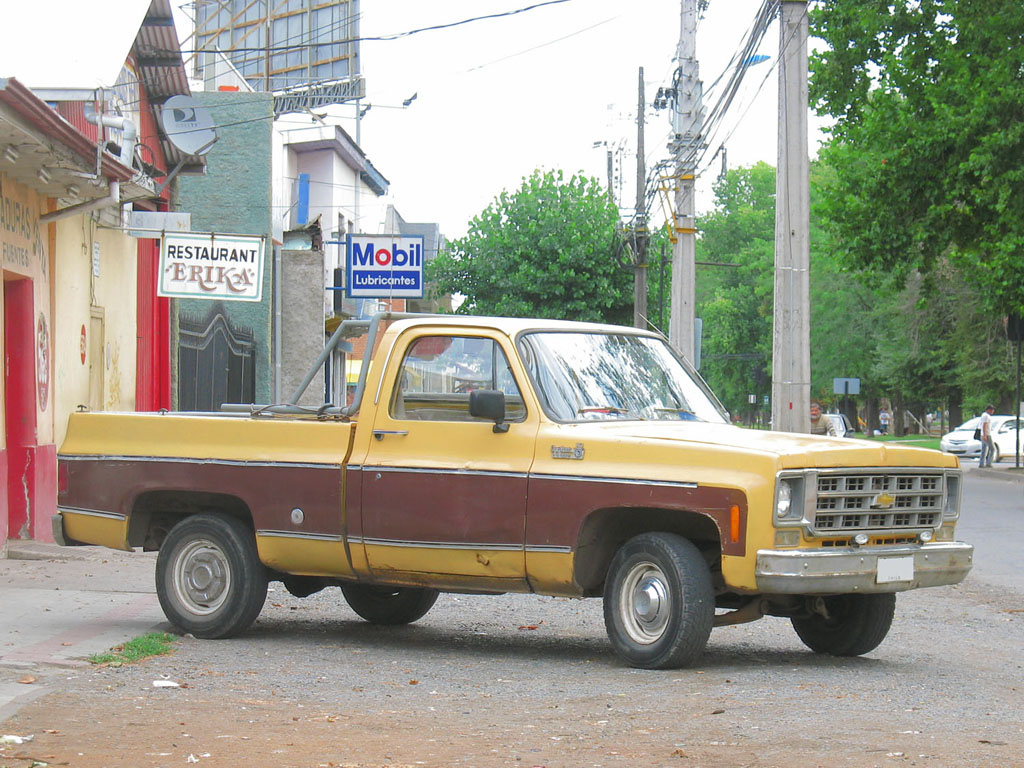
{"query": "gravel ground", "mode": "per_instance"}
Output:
(527, 681)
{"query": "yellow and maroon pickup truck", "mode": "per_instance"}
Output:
(493, 455)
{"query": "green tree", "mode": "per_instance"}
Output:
(549, 249)
(735, 303)
(928, 144)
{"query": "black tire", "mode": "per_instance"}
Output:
(659, 604)
(209, 577)
(854, 624)
(389, 605)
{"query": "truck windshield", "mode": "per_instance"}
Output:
(609, 376)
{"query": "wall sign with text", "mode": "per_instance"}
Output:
(385, 267)
(198, 265)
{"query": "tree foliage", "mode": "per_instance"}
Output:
(546, 250)
(928, 144)
(735, 302)
(905, 341)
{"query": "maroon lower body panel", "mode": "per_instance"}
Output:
(270, 491)
(558, 505)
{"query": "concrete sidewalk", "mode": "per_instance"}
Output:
(61, 605)
(1001, 470)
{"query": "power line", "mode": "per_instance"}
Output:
(395, 36)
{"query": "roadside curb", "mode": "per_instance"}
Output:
(1006, 474)
(28, 549)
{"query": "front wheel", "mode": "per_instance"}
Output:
(209, 577)
(659, 604)
(846, 625)
(389, 605)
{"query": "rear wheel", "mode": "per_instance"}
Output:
(846, 625)
(389, 605)
(209, 578)
(659, 604)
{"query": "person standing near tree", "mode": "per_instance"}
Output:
(821, 424)
(985, 428)
(883, 421)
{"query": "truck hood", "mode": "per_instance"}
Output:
(790, 449)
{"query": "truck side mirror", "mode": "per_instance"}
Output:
(489, 404)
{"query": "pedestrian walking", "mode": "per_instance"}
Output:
(985, 435)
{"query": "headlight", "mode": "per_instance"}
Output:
(951, 511)
(789, 499)
(785, 500)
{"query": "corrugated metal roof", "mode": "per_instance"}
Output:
(162, 71)
(158, 54)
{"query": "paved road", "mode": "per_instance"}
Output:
(992, 520)
(532, 677)
(62, 605)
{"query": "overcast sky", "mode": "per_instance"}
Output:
(495, 99)
(498, 98)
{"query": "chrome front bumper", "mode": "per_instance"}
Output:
(839, 571)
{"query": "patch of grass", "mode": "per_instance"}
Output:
(153, 644)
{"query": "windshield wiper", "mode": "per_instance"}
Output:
(600, 409)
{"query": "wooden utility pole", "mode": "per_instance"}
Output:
(687, 124)
(791, 342)
(640, 217)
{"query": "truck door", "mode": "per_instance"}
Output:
(442, 492)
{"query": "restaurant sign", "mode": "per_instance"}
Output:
(198, 265)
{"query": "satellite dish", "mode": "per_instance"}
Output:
(188, 125)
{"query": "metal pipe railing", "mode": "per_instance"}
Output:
(345, 328)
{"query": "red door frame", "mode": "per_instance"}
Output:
(153, 348)
(19, 405)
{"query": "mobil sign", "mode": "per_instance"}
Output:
(385, 266)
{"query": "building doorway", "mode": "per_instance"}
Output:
(19, 404)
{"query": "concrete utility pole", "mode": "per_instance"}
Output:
(640, 219)
(791, 337)
(687, 124)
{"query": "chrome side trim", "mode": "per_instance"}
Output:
(444, 471)
(92, 513)
(842, 571)
(538, 549)
(548, 550)
(527, 475)
(180, 460)
(329, 537)
(403, 543)
(620, 480)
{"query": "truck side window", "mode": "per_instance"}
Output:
(439, 372)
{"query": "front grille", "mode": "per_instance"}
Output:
(876, 541)
(878, 502)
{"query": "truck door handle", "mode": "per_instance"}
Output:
(379, 433)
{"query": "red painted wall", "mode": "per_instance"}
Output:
(153, 313)
(153, 374)
(3, 499)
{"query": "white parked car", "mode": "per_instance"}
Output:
(962, 443)
(842, 424)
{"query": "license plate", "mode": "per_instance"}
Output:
(892, 569)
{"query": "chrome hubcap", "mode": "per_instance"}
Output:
(645, 603)
(202, 577)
